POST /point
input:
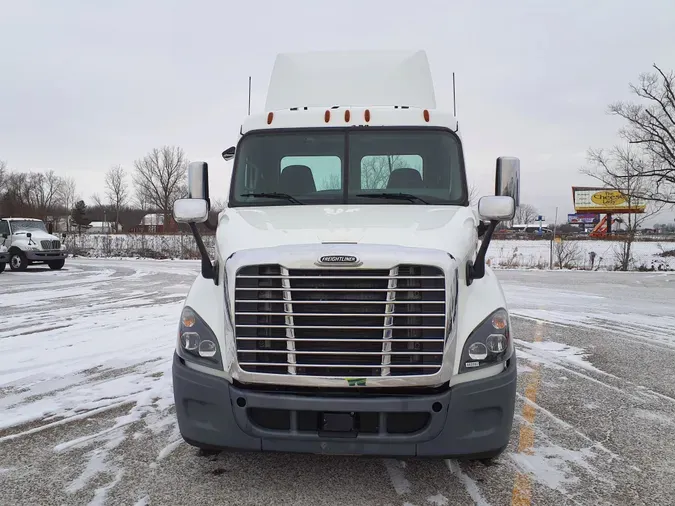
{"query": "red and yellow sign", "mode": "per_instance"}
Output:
(606, 200)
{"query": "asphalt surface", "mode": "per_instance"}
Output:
(86, 413)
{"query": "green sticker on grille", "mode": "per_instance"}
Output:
(356, 382)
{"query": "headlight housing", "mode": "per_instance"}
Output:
(196, 340)
(489, 344)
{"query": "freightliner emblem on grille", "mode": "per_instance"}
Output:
(338, 259)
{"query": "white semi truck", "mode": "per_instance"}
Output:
(348, 308)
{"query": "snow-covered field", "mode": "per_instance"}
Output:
(536, 254)
(86, 405)
(502, 253)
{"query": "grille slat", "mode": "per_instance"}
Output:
(340, 322)
(48, 244)
(340, 340)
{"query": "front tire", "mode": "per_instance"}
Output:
(18, 261)
(56, 265)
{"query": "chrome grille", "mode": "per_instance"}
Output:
(340, 322)
(47, 244)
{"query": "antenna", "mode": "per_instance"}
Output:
(454, 100)
(249, 95)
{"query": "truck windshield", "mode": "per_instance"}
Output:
(367, 165)
(27, 226)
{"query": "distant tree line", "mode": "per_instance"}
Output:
(151, 186)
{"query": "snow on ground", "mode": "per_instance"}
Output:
(502, 253)
(87, 414)
(536, 254)
(83, 341)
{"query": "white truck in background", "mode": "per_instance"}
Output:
(26, 241)
(348, 309)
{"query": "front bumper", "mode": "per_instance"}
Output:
(4, 258)
(468, 419)
(45, 256)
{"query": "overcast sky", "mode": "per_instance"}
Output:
(88, 84)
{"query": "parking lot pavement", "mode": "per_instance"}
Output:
(86, 406)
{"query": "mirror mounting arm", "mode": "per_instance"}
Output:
(482, 228)
(208, 269)
(476, 269)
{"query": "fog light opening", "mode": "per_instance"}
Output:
(478, 351)
(190, 341)
(207, 349)
(437, 407)
(496, 343)
(241, 402)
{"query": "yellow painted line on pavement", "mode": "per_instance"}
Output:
(522, 484)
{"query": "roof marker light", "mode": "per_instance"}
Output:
(366, 115)
(326, 116)
(347, 116)
(426, 115)
(270, 117)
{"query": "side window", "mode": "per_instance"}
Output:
(4, 227)
(375, 170)
(326, 170)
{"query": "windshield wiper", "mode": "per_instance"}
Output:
(396, 196)
(273, 195)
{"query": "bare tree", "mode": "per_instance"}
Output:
(160, 178)
(623, 169)
(3, 174)
(473, 194)
(566, 253)
(375, 170)
(97, 200)
(651, 129)
(525, 214)
(217, 205)
(67, 196)
(3, 183)
(116, 191)
(44, 189)
(331, 182)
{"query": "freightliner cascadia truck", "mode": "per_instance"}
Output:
(347, 307)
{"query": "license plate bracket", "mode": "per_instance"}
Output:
(338, 424)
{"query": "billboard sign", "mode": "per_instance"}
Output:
(606, 201)
(583, 218)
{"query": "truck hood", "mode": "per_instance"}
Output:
(37, 235)
(447, 228)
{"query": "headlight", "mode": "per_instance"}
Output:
(489, 343)
(197, 341)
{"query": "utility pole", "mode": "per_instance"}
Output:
(555, 225)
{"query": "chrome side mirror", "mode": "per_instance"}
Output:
(190, 210)
(198, 181)
(507, 178)
(497, 208)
